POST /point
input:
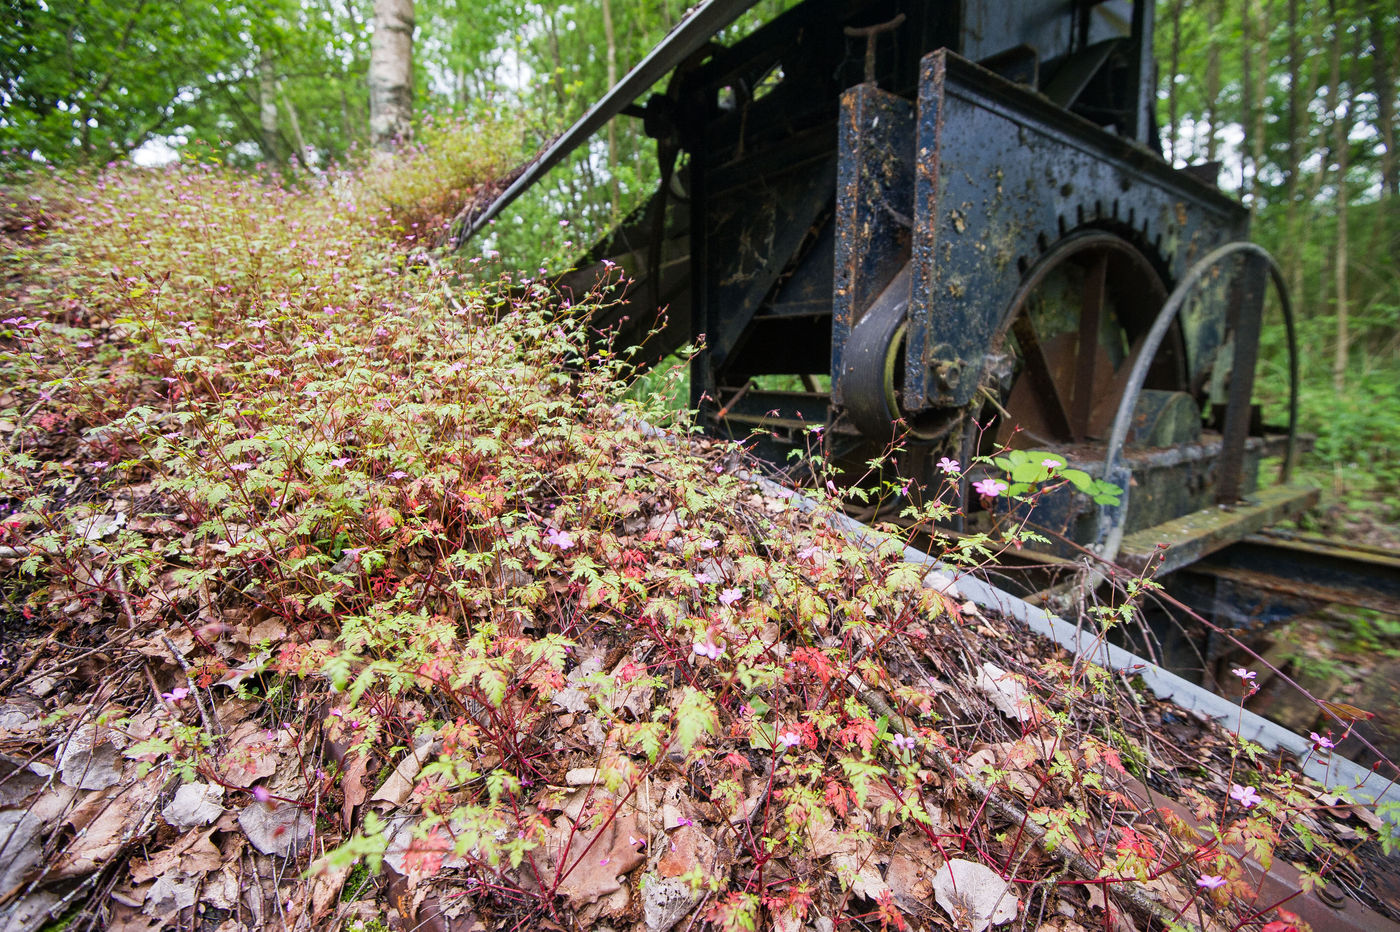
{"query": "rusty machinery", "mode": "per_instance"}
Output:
(949, 225)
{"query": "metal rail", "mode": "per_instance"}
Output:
(1113, 520)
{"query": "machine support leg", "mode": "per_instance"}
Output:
(1247, 309)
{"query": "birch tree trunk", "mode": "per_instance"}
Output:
(267, 108)
(303, 150)
(391, 73)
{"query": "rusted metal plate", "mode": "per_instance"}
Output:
(1002, 174)
(1336, 574)
(1174, 544)
(1279, 882)
(875, 186)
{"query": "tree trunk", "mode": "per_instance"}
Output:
(1172, 72)
(267, 108)
(1213, 11)
(611, 40)
(1385, 97)
(303, 150)
(557, 60)
(1306, 74)
(1260, 47)
(1295, 75)
(1342, 143)
(1247, 104)
(1334, 80)
(391, 73)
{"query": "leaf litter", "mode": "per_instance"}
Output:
(431, 599)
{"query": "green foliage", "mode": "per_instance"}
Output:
(1297, 179)
(93, 81)
(1033, 469)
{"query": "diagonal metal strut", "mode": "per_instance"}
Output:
(685, 39)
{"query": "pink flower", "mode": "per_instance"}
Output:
(730, 596)
(261, 794)
(989, 488)
(1244, 674)
(949, 466)
(557, 538)
(790, 739)
(1051, 464)
(1321, 742)
(706, 649)
(1210, 882)
(1246, 796)
(905, 742)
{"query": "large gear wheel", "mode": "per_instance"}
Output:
(1073, 331)
(1059, 353)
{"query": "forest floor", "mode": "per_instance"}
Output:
(340, 595)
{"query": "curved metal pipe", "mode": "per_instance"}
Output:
(1113, 520)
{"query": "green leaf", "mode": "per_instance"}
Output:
(695, 717)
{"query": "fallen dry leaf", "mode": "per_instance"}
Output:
(195, 804)
(594, 861)
(353, 782)
(279, 830)
(414, 857)
(688, 849)
(857, 869)
(666, 901)
(18, 781)
(29, 912)
(193, 854)
(105, 822)
(1005, 692)
(251, 756)
(21, 847)
(322, 894)
(170, 894)
(973, 894)
(397, 788)
(910, 874)
(91, 760)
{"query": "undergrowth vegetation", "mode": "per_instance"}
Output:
(342, 520)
